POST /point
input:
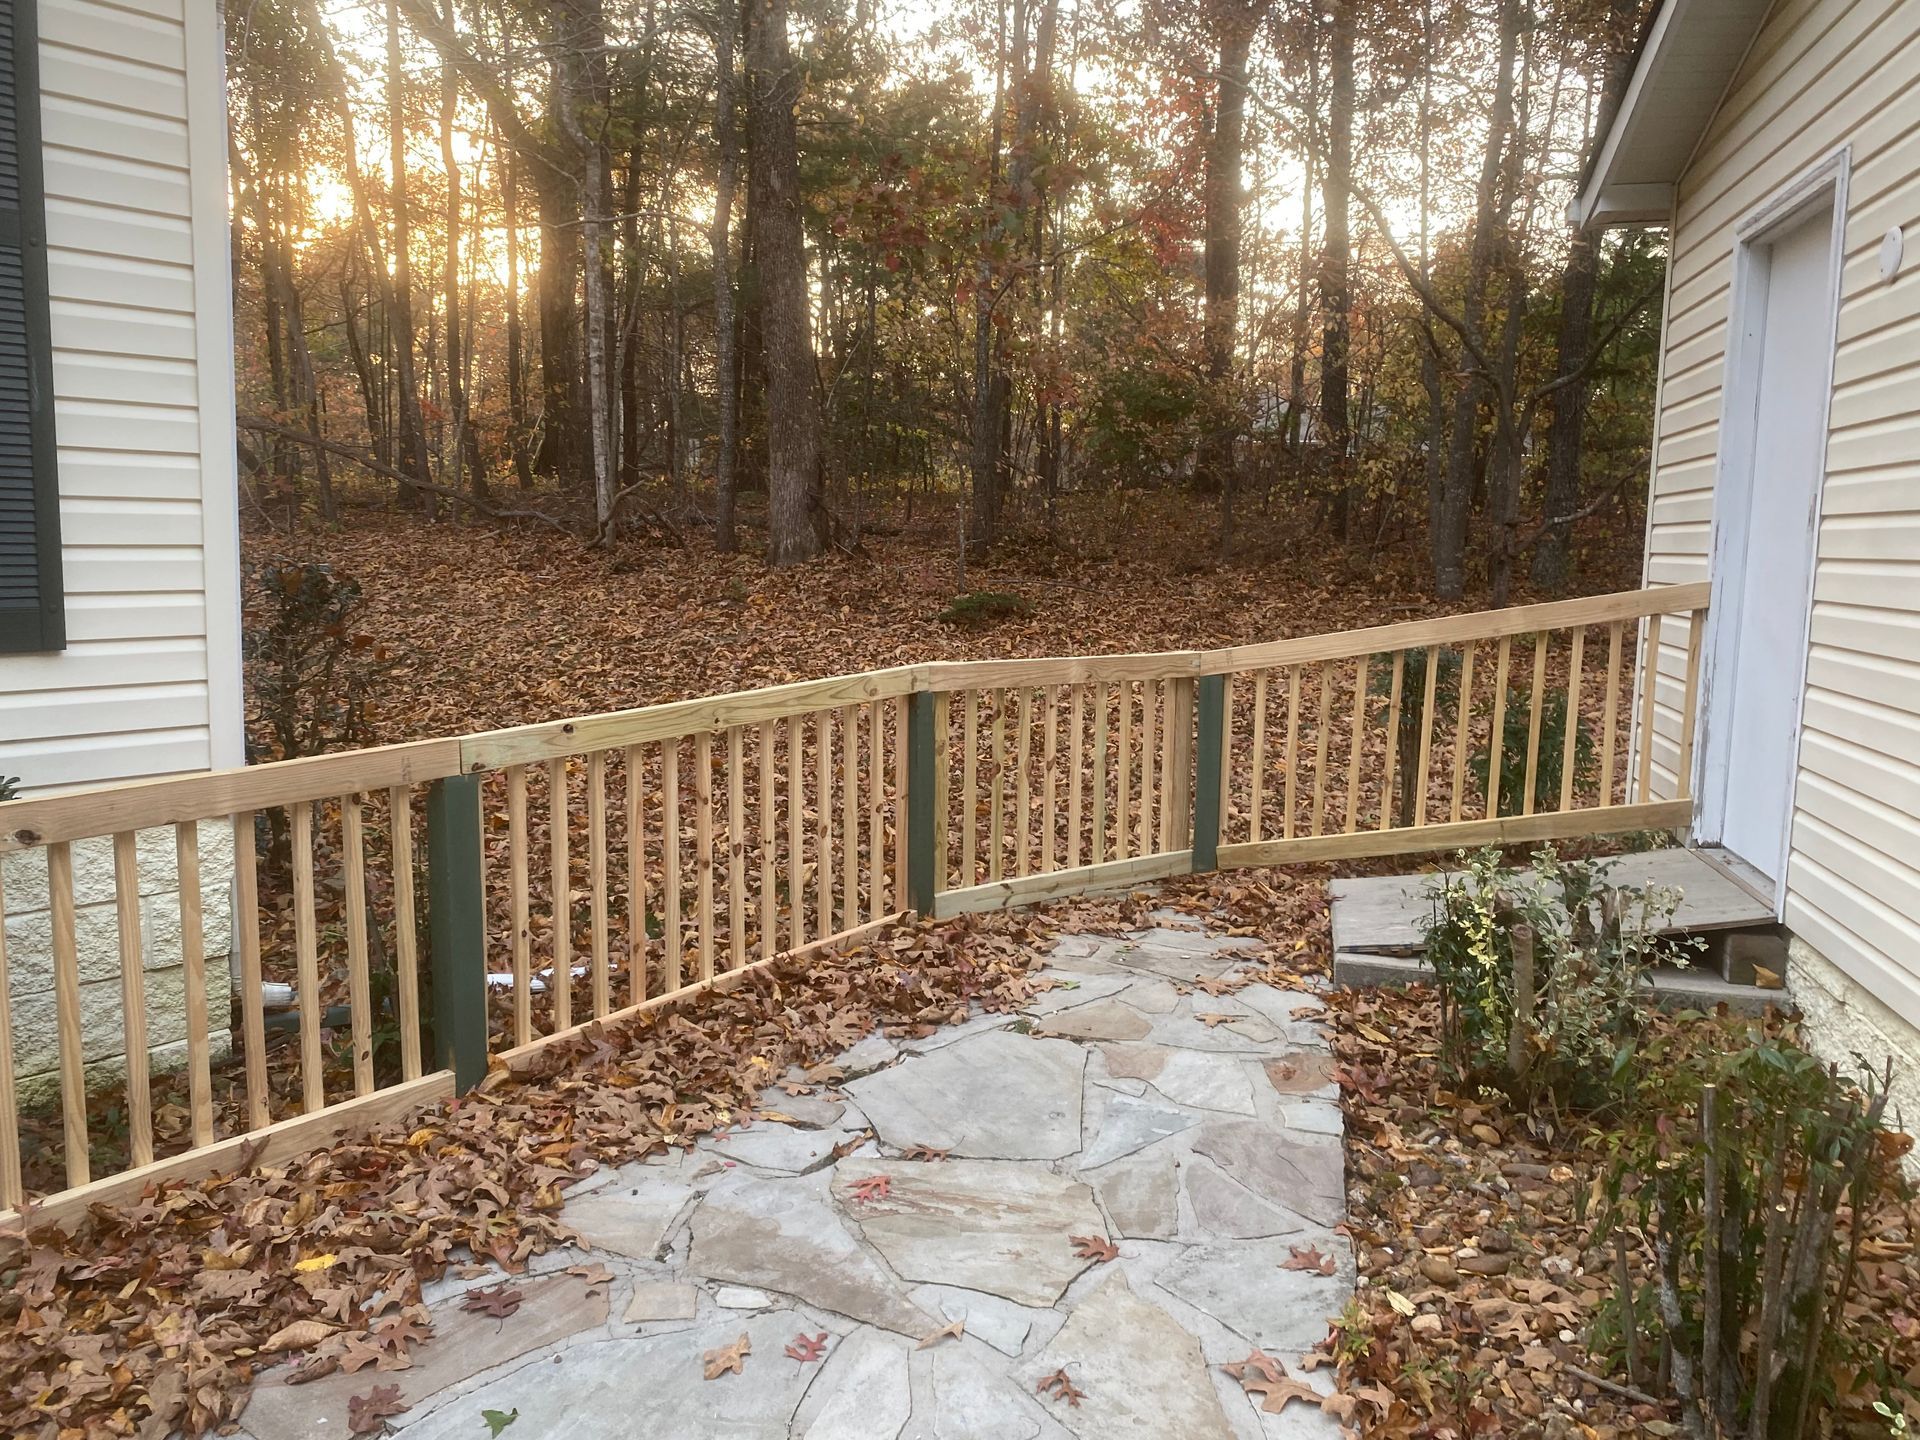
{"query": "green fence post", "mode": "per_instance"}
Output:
(1212, 705)
(456, 916)
(921, 756)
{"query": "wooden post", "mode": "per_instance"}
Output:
(456, 911)
(1212, 696)
(922, 822)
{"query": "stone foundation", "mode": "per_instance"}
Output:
(1842, 1021)
(29, 941)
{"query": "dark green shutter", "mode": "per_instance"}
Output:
(32, 615)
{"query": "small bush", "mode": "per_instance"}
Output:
(1544, 974)
(9, 787)
(1552, 755)
(979, 608)
(1413, 715)
(313, 673)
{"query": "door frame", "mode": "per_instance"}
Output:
(1822, 186)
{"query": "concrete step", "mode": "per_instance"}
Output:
(1696, 987)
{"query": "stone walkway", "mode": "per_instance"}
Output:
(1117, 1106)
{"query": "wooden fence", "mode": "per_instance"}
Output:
(438, 905)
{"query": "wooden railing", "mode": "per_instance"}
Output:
(584, 869)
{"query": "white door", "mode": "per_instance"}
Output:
(1768, 550)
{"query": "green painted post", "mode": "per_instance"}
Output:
(921, 756)
(456, 916)
(1212, 705)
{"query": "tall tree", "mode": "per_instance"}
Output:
(413, 433)
(1223, 200)
(726, 162)
(1336, 290)
(796, 515)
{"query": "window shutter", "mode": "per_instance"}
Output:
(32, 613)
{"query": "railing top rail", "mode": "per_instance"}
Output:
(104, 809)
(1453, 629)
(137, 804)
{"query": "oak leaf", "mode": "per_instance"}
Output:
(804, 1347)
(871, 1188)
(496, 1300)
(946, 1332)
(1309, 1258)
(1058, 1386)
(728, 1357)
(1094, 1247)
(368, 1414)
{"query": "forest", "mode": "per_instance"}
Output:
(781, 276)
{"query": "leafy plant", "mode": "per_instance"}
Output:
(312, 671)
(1413, 714)
(1751, 1174)
(9, 787)
(1544, 973)
(1516, 729)
(984, 607)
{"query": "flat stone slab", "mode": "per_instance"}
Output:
(784, 1235)
(1131, 1124)
(645, 1385)
(628, 1221)
(1245, 1034)
(1277, 1164)
(957, 1397)
(1171, 963)
(1141, 1196)
(865, 1391)
(814, 1111)
(988, 1318)
(661, 1300)
(1224, 1209)
(1143, 1375)
(1202, 1079)
(1072, 988)
(994, 1095)
(981, 1225)
(1242, 1285)
(1110, 1019)
(464, 1344)
(771, 1145)
(1303, 1074)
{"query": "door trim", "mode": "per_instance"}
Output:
(1822, 186)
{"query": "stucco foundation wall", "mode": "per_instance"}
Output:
(1842, 1021)
(29, 941)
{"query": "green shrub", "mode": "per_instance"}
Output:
(1413, 715)
(313, 672)
(9, 787)
(1553, 752)
(1544, 974)
(984, 607)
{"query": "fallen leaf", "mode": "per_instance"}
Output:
(498, 1420)
(1308, 1257)
(1058, 1386)
(314, 1262)
(1257, 1365)
(728, 1357)
(804, 1347)
(300, 1335)
(496, 1300)
(368, 1414)
(871, 1188)
(948, 1332)
(1094, 1247)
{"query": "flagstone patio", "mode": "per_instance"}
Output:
(1117, 1106)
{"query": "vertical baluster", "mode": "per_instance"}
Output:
(1257, 802)
(1533, 718)
(635, 800)
(1293, 748)
(246, 934)
(1023, 785)
(996, 852)
(767, 836)
(1497, 738)
(1049, 761)
(703, 846)
(850, 817)
(1228, 687)
(796, 832)
(876, 810)
(1321, 743)
(1099, 773)
(1463, 723)
(1689, 702)
(1570, 749)
(193, 964)
(1358, 723)
(599, 981)
(307, 958)
(11, 1191)
(521, 921)
(1393, 738)
(66, 1001)
(1429, 722)
(133, 998)
(406, 946)
(1176, 817)
(560, 864)
(969, 790)
(1150, 765)
(823, 827)
(1610, 720)
(671, 975)
(1649, 708)
(898, 899)
(736, 849)
(1123, 777)
(1076, 767)
(353, 842)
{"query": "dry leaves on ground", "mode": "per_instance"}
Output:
(729, 1358)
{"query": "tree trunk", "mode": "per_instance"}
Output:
(725, 475)
(989, 387)
(1220, 332)
(795, 516)
(562, 401)
(516, 342)
(413, 434)
(1336, 295)
(456, 367)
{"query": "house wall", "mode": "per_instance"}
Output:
(133, 109)
(1822, 74)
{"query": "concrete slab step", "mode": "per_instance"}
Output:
(1694, 988)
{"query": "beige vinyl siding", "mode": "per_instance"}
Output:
(1820, 75)
(135, 154)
